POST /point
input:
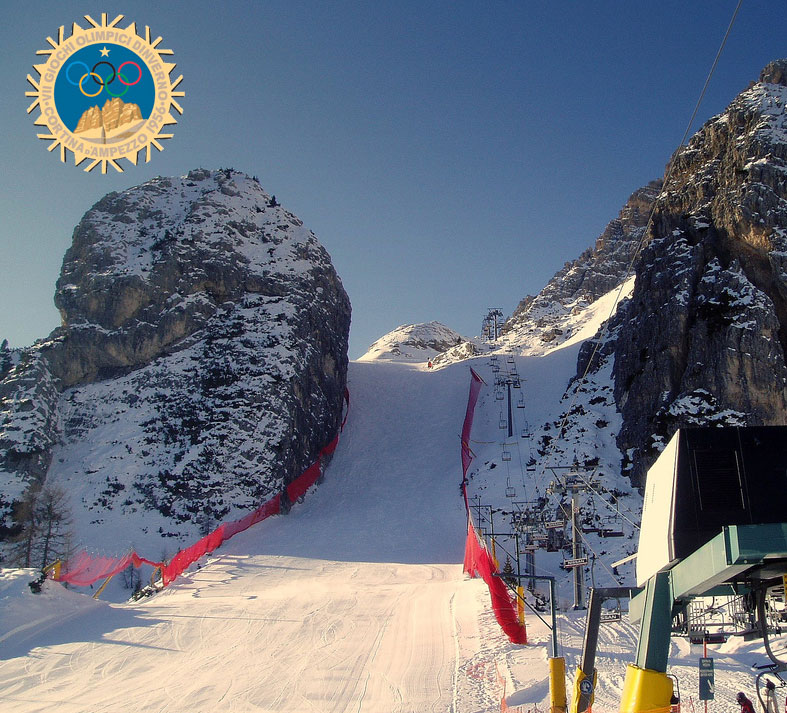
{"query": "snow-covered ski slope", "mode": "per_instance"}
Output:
(355, 601)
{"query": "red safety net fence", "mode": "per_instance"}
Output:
(467, 426)
(478, 560)
(84, 568)
(479, 563)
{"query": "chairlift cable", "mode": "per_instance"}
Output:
(606, 502)
(605, 326)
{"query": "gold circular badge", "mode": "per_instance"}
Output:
(105, 93)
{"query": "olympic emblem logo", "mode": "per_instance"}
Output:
(105, 93)
(103, 84)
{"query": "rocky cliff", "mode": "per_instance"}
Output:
(201, 363)
(703, 338)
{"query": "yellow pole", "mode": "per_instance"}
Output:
(494, 553)
(645, 691)
(54, 568)
(557, 685)
(101, 588)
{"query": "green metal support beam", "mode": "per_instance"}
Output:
(738, 552)
(737, 555)
(656, 626)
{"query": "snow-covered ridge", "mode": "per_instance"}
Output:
(414, 343)
(560, 324)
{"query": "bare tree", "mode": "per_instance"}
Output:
(46, 527)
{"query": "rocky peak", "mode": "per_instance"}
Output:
(201, 364)
(775, 73)
(548, 318)
(114, 114)
(705, 333)
(414, 342)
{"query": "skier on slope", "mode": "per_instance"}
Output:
(744, 703)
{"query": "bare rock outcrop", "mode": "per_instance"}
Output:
(201, 364)
(704, 336)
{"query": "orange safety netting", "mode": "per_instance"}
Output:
(83, 568)
(478, 562)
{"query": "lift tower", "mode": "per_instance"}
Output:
(713, 523)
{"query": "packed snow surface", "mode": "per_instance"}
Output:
(355, 601)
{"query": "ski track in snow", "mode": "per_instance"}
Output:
(355, 602)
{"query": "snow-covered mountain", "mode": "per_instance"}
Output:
(418, 343)
(558, 313)
(200, 367)
(352, 599)
(702, 338)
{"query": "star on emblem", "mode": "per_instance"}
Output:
(104, 52)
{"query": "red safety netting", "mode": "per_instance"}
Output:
(183, 559)
(467, 453)
(478, 562)
(298, 487)
(331, 447)
(83, 569)
(272, 507)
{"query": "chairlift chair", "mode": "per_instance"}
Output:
(499, 395)
(521, 402)
(506, 454)
(510, 492)
(610, 615)
(503, 422)
(611, 526)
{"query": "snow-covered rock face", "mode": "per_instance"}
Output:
(703, 338)
(415, 343)
(557, 314)
(705, 333)
(202, 361)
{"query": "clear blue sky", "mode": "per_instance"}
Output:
(450, 155)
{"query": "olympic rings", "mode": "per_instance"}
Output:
(68, 69)
(114, 72)
(83, 79)
(120, 78)
(98, 79)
